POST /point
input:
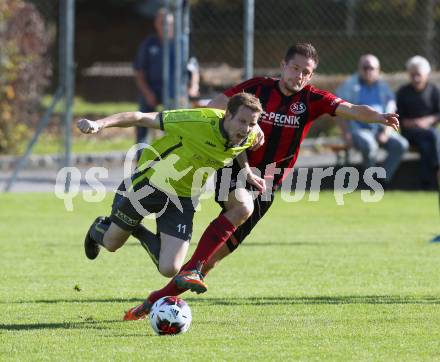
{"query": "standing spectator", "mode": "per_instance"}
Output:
(418, 105)
(148, 70)
(366, 87)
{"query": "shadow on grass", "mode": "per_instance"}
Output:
(101, 325)
(311, 243)
(94, 300)
(355, 299)
(350, 299)
(294, 243)
(265, 244)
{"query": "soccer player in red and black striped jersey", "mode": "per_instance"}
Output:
(290, 105)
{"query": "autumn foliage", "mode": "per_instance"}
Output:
(24, 70)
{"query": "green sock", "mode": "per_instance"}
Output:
(150, 242)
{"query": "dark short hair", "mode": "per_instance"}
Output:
(305, 49)
(244, 99)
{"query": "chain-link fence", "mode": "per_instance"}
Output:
(341, 30)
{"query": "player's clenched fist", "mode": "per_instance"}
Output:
(259, 140)
(88, 126)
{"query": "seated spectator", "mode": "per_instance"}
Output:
(418, 105)
(366, 87)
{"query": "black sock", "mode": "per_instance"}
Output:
(100, 226)
(150, 241)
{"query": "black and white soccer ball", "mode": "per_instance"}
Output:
(170, 315)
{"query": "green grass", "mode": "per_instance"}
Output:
(82, 107)
(315, 281)
(51, 144)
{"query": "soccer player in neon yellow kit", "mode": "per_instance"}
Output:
(163, 182)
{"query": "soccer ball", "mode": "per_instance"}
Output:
(170, 315)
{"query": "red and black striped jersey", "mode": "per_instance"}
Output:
(285, 121)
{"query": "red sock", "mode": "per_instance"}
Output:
(216, 234)
(169, 289)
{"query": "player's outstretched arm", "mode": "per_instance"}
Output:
(126, 119)
(367, 114)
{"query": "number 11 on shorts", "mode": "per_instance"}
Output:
(181, 228)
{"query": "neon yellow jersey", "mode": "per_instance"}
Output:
(193, 148)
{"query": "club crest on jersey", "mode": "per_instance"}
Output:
(297, 108)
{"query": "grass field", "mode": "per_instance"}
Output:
(315, 281)
(82, 107)
(51, 142)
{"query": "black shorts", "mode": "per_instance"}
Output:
(262, 203)
(127, 214)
